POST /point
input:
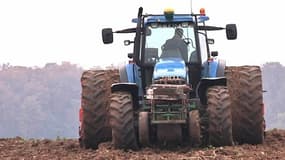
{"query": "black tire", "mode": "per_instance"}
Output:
(245, 86)
(220, 119)
(204, 125)
(124, 135)
(94, 102)
(144, 131)
(194, 128)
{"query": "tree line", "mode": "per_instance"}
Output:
(274, 88)
(40, 102)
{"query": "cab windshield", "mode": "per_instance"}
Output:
(170, 40)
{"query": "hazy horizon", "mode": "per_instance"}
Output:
(104, 66)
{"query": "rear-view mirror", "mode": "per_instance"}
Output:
(107, 35)
(231, 31)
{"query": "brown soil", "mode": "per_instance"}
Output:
(67, 149)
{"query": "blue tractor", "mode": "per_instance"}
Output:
(173, 91)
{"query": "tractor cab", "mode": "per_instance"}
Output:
(173, 38)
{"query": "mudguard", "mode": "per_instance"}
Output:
(214, 68)
(129, 73)
(130, 81)
(205, 83)
(127, 87)
(213, 74)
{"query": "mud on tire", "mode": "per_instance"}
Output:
(122, 121)
(245, 87)
(220, 119)
(194, 128)
(94, 102)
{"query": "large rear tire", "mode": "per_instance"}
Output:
(220, 119)
(122, 121)
(245, 87)
(95, 127)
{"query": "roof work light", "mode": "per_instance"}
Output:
(168, 13)
(202, 12)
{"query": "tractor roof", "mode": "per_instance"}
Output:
(176, 18)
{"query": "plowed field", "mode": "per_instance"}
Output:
(68, 149)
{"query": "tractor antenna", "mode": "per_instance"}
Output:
(191, 9)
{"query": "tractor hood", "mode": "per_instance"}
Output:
(170, 67)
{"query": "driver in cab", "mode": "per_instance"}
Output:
(174, 45)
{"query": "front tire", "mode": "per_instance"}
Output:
(144, 132)
(122, 121)
(194, 128)
(220, 119)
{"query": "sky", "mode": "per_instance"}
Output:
(36, 32)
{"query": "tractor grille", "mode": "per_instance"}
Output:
(170, 80)
(167, 92)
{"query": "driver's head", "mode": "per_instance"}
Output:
(179, 32)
